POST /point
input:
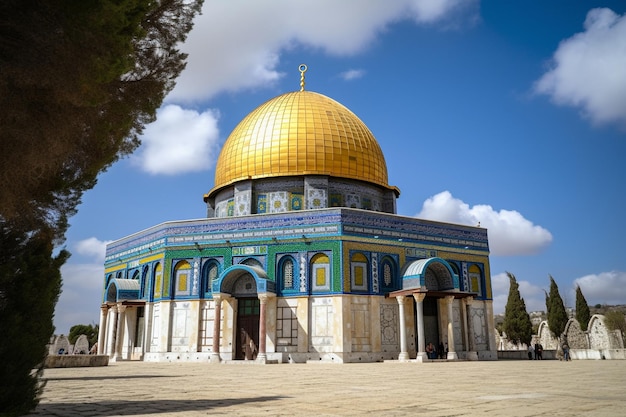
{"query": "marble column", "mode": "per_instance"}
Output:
(111, 323)
(472, 355)
(119, 335)
(489, 319)
(215, 353)
(147, 337)
(102, 327)
(421, 343)
(451, 349)
(463, 318)
(404, 354)
(262, 355)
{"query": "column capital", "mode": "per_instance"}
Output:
(449, 299)
(263, 297)
(468, 300)
(104, 308)
(121, 307)
(419, 296)
(400, 299)
(220, 296)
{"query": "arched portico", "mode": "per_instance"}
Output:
(243, 282)
(119, 295)
(431, 278)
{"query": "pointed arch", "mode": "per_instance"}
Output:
(388, 274)
(182, 279)
(359, 276)
(210, 272)
(475, 279)
(157, 288)
(320, 272)
(287, 268)
(145, 282)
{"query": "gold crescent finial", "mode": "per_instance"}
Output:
(302, 68)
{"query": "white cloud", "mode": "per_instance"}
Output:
(81, 296)
(534, 296)
(509, 232)
(588, 70)
(93, 247)
(352, 74)
(237, 44)
(179, 141)
(603, 288)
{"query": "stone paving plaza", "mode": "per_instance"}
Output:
(499, 388)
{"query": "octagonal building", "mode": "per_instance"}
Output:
(301, 258)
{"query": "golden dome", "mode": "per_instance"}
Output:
(301, 133)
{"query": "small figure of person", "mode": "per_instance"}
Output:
(538, 351)
(441, 351)
(531, 352)
(248, 347)
(430, 351)
(566, 356)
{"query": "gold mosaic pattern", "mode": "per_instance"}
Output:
(301, 133)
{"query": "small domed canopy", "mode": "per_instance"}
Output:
(300, 133)
(227, 282)
(433, 274)
(122, 289)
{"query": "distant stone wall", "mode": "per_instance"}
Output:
(598, 342)
(576, 337)
(523, 355)
(73, 361)
(59, 346)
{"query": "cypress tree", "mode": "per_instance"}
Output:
(557, 316)
(582, 309)
(30, 283)
(79, 80)
(517, 324)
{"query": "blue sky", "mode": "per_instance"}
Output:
(507, 113)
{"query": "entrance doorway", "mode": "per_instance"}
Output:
(431, 321)
(247, 328)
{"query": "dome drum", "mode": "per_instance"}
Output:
(275, 195)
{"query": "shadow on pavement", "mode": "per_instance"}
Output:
(131, 408)
(99, 378)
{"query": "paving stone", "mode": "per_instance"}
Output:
(512, 388)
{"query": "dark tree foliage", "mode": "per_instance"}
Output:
(79, 79)
(615, 320)
(582, 309)
(88, 330)
(30, 282)
(557, 316)
(517, 324)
